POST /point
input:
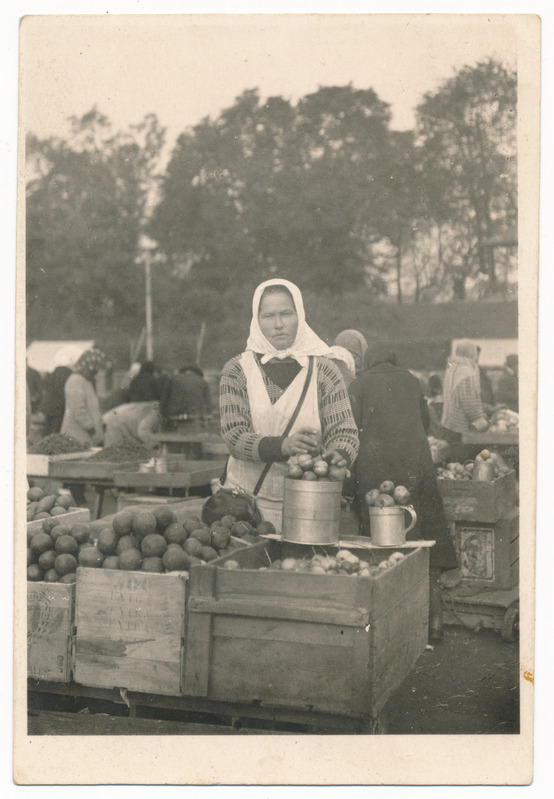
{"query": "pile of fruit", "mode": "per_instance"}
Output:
(504, 421)
(148, 541)
(308, 467)
(437, 446)
(464, 471)
(388, 495)
(43, 506)
(344, 563)
(57, 444)
(126, 451)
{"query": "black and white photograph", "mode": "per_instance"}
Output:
(256, 253)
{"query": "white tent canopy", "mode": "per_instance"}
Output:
(41, 355)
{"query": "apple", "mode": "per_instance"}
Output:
(306, 462)
(289, 564)
(294, 471)
(371, 496)
(321, 468)
(309, 475)
(401, 495)
(384, 501)
(337, 473)
(386, 487)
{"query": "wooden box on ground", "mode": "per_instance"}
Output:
(130, 630)
(315, 642)
(50, 616)
(478, 501)
(489, 553)
(72, 516)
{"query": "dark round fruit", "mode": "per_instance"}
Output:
(34, 572)
(164, 517)
(64, 501)
(51, 576)
(192, 546)
(228, 521)
(66, 544)
(265, 528)
(49, 524)
(192, 523)
(80, 532)
(57, 510)
(126, 542)
(208, 553)
(65, 564)
(41, 542)
(107, 541)
(153, 545)
(241, 528)
(203, 534)
(68, 578)
(175, 533)
(35, 494)
(91, 557)
(152, 564)
(111, 562)
(60, 529)
(122, 522)
(130, 559)
(144, 523)
(175, 560)
(46, 560)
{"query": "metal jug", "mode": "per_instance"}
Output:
(387, 525)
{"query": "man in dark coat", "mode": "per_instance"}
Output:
(392, 417)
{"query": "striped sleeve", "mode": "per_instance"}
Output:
(337, 421)
(234, 408)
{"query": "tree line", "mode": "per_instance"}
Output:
(321, 191)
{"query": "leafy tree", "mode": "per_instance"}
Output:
(86, 202)
(467, 136)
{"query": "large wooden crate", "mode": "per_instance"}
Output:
(312, 642)
(478, 501)
(489, 553)
(130, 629)
(41, 465)
(50, 618)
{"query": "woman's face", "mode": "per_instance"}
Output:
(278, 319)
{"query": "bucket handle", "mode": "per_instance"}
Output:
(413, 514)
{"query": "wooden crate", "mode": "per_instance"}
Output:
(478, 501)
(310, 642)
(145, 501)
(90, 470)
(489, 553)
(41, 465)
(72, 516)
(130, 630)
(50, 618)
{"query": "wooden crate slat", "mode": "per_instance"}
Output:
(72, 516)
(478, 501)
(50, 616)
(130, 630)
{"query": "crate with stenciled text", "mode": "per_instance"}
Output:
(488, 554)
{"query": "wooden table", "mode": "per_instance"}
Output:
(178, 473)
(491, 439)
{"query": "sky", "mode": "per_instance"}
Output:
(186, 67)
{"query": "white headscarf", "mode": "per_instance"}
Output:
(306, 342)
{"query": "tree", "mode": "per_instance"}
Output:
(467, 145)
(270, 188)
(86, 202)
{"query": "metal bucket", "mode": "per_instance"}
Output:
(387, 525)
(311, 511)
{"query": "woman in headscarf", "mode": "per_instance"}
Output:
(463, 409)
(53, 397)
(348, 350)
(392, 417)
(82, 417)
(260, 390)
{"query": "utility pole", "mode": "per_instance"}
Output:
(148, 299)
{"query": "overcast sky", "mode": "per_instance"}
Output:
(183, 68)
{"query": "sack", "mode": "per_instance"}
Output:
(231, 501)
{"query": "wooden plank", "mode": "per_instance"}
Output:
(191, 474)
(130, 630)
(478, 501)
(491, 438)
(39, 465)
(293, 664)
(198, 650)
(90, 470)
(50, 616)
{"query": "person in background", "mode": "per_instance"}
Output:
(34, 382)
(435, 403)
(53, 395)
(260, 391)
(348, 351)
(463, 410)
(185, 399)
(82, 418)
(487, 392)
(392, 418)
(144, 386)
(134, 422)
(507, 392)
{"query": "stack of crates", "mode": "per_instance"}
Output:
(485, 522)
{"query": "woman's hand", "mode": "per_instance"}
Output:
(301, 442)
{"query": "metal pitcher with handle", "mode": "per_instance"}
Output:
(387, 525)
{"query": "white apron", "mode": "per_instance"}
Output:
(271, 420)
